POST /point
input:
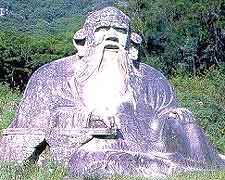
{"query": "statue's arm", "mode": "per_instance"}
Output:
(175, 127)
(33, 110)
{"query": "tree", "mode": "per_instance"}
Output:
(179, 34)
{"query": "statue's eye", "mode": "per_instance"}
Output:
(102, 29)
(121, 30)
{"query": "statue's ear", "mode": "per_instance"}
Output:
(136, 38)
(79, 38)
(134, 46)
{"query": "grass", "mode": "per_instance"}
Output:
(18, 172)
(204, 96)
(214, 175)
(8, 102)
(53, 172)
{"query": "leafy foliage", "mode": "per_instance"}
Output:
(212, 175)
(40, 31)
(50, 172)
(179, 34)
(21, 54)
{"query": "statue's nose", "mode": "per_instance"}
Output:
(115, 39)
(112, 35)
(112, 32)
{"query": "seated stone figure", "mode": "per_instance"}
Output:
(103, 112)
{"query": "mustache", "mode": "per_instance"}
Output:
(108, 39)
(122, 56)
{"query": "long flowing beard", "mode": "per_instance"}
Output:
(107, 83)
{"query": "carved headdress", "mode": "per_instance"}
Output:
(108, 16)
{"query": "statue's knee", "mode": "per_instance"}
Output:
(181, 115)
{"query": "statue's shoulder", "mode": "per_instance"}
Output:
(57, 68)
(54, 72)
(157, 86)
(150, 73)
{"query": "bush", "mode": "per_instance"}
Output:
(21, 54)
(180, 32)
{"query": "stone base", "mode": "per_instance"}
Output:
(17, 144)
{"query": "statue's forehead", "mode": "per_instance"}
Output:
(109, 16)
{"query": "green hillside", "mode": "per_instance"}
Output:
(48, 17)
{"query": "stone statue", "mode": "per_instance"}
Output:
(102, 112)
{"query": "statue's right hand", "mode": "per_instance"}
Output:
(97, 121)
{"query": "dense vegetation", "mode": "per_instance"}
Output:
(204, 96)
(21, 54)
(40, 31)
(184, 39)
(181, 35)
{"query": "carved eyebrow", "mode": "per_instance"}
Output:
(122, 30)
(119, 29)
(102, 27)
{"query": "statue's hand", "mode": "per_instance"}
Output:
(100, 121)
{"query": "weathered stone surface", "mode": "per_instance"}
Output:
(103, 112)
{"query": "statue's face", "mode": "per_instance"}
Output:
(113, 37)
